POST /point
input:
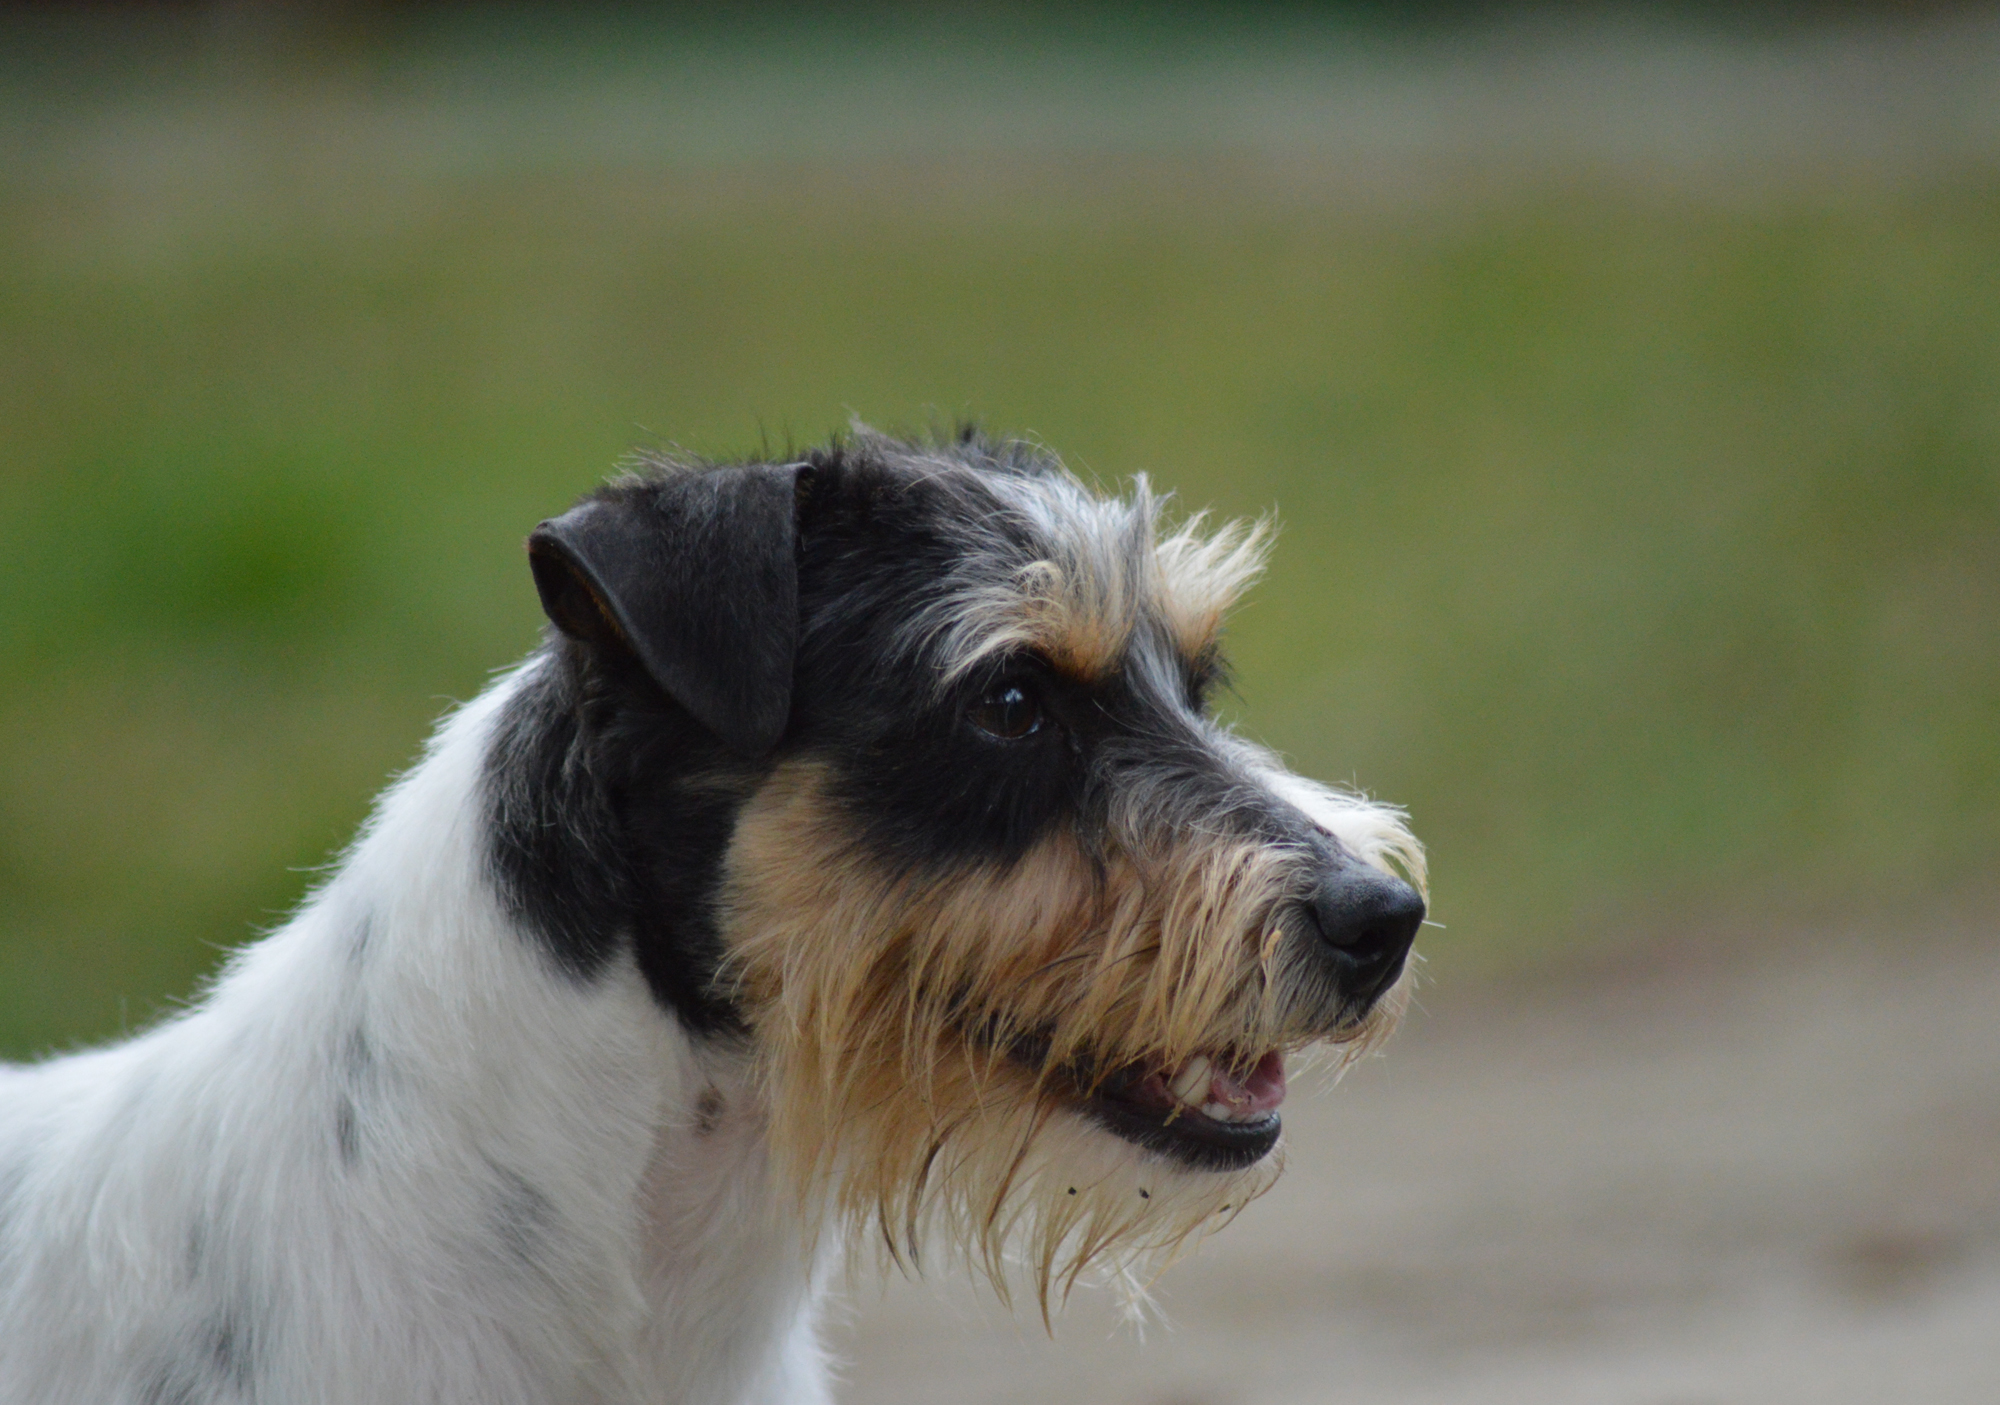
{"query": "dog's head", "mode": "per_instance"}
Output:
(1021, 938)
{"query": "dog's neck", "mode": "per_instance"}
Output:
(443, 1115)
(627, 1153)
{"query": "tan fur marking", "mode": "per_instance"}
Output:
(1082, 633)
(883, 1007)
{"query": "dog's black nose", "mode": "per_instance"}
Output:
(1369, 919)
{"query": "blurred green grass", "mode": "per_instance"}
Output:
(1647, 549)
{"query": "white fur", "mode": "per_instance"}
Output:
(529, 1213)
(1373, 832)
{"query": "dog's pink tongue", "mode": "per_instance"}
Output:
(1258, 1091)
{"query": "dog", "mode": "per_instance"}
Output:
(856, 864)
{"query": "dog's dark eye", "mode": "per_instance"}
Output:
(1008, 711)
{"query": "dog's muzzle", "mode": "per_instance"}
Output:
(1221, 1113)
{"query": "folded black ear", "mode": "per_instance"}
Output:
(696, 575)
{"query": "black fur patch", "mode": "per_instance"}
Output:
(611, 811)
(613, 807)
(928, 789)
(695, 576)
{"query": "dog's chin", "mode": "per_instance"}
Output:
(1204, 1115)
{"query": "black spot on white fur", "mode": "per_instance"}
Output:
(346, 1135)
(355, 1066)
(232, 1351)
(357, 1057)
(13, 1174)
(177, 1383)
(523, 1216)
(708, 1110)
(216, 1365)
(194, 1251)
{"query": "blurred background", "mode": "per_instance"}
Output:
(1626, 381)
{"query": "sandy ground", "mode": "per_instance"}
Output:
(1694, 1179)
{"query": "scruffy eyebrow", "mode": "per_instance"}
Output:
(1077, 575)
(1203, 574)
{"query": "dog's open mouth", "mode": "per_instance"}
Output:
(1211, 1114)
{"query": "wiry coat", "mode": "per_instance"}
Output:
(678, 957)
(393, 1156)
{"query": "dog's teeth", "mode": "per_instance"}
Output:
(1192, 1081)
(1221, 1112)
